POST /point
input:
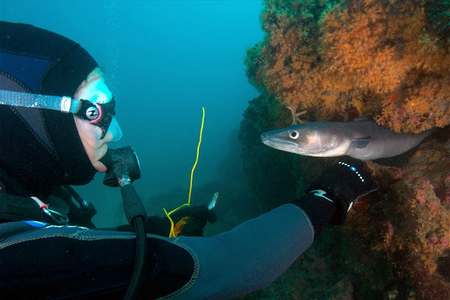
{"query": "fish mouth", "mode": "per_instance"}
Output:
(278, 143)
(287, 145)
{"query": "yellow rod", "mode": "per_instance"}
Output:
(194, 166)
(197, 155)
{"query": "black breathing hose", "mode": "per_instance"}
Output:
(140, 259)
(135, 212)
(123, 169)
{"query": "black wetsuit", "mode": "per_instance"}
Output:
(45, 261)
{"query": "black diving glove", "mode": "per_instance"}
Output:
(188, 221)
(330, 197)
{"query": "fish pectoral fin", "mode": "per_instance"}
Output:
(360, 142)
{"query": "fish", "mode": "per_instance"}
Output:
(362, 139)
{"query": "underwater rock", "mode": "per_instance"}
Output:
(417, 209)
(339, 60)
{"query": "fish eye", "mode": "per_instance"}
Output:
(293, 134)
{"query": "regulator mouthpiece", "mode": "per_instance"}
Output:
(123, 167)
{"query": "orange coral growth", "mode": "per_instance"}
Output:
(373, 58)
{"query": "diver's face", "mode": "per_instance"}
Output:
(95, 89)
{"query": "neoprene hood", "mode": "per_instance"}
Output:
(40, 149)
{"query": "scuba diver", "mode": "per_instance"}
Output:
(56, 119)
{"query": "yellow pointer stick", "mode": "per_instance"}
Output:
(194, 166)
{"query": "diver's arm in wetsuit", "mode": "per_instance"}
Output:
(69, 261)
(59, 261)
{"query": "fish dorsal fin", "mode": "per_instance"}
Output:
(361, 142)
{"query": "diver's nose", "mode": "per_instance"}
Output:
(114, 130)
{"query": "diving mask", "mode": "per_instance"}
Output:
(101, 115)
(100, 109)
(98, 113)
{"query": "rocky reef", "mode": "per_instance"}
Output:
(388, 60)
(343, 59)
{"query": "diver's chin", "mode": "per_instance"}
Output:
(100, 167)
(98, 156)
